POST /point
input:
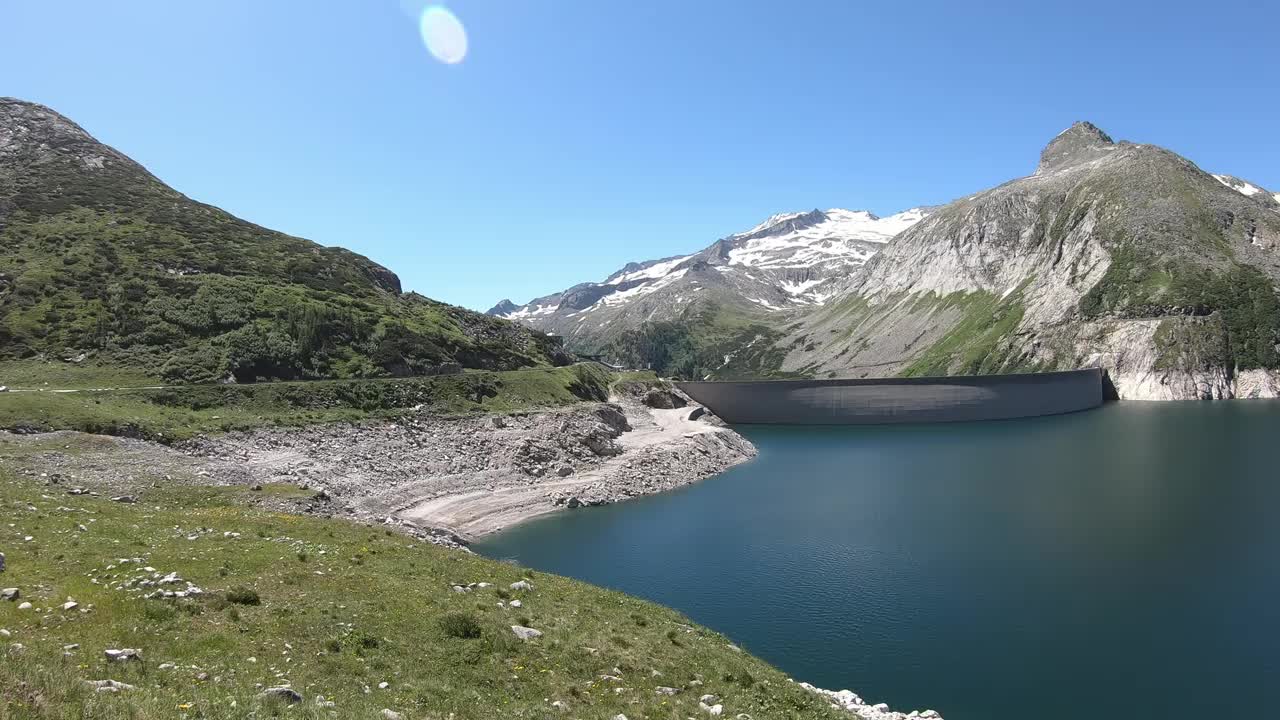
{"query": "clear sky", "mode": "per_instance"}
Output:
(577, 135)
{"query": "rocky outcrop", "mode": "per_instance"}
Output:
(850, 702)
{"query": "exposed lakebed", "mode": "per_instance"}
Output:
(1121, 561)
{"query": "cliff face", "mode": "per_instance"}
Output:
(1113, 255)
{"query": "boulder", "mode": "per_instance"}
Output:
(389, 714)
(522, 585)
(525, 633)
(10, 594)
(285, 694)
(108, 686)
(123, 655)
(663, 399)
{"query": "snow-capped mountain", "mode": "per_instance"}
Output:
(789, 261)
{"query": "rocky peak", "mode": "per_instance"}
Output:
(782, 225)
(1079, 143)
(504, 307)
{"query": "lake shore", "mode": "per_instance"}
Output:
(459, 479)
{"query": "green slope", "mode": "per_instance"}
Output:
(100, 260)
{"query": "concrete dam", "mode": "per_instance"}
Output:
(866, 401)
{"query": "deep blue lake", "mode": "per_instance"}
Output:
(1125, 559)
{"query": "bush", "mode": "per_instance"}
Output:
(460, 625)
(243, 596)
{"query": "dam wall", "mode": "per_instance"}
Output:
(899, 400)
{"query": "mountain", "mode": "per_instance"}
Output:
(1113, 254)
(729, 295)
(100, 259)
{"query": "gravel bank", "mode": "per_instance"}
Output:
(468, 477)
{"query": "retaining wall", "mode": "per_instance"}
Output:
(898, 400)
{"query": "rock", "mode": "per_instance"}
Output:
(619, 716)
(124, 499)
(167, 666)
(662, 690)
(285, 694)
(24, 606)
(384, 685)
(109, 686)
(255, 488)
(10, 594)
(525, 633)
(389, 714)
(713, 710)
(562, 471)
(662, 399)
(516, 604)
(123, 655)
(1, 562)
(560, 705)
(697, 414)
(709, 699)
(70, 605)
(522, 585)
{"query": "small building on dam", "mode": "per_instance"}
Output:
(900, 400)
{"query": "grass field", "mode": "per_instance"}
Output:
(180, 412)
(331, 608)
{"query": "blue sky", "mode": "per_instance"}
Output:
(577, 135)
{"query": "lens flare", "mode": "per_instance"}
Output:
(444, 35)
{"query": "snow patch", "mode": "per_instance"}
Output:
(841, 234)
(1240, 186)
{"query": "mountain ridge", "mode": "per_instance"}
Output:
(1111, 254)
(735, 286)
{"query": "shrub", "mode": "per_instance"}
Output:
(460, 625)
(243, 596)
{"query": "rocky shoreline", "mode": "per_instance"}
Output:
(851, 703)
(457, 479)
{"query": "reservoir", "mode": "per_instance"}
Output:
(1122, 562)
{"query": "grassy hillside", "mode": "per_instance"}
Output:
(101, 260)
(331, 608)
(713, 340)
(177, 413)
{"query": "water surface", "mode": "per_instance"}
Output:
(1127, 558)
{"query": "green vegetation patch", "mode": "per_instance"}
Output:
(365, 607)
(981, 342)
(177, 413)
(712, 342)
(1138, 285)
